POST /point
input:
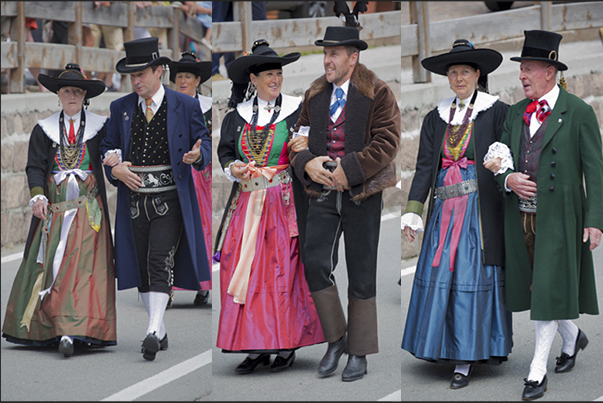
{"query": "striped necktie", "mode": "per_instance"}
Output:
(149, 112)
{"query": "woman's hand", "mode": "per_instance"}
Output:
(298, 143)
(240, 170)
(111, 160)
(493, 164)
(40, 208)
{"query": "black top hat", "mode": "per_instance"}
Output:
(189, 63)
(463, 52)
(262, 57)
(541, 46)
(140, 54)
(73, 76)
(342, 36)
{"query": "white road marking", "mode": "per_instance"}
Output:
(392, 397)
(156, 381)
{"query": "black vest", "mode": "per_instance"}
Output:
(530, 149)
(149, 142)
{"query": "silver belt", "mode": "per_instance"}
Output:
(528, 206)
(249, 185)
(456, 190)
(155, 178)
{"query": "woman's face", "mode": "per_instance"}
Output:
(187, 83)
(463, 80)
(72, 99)
(268, 83)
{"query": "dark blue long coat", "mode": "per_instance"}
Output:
(185, 126)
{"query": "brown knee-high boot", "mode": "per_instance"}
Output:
(330, 313)
(362, 326)
(332, 320)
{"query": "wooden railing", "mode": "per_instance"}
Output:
(19, 54)
(420, 39)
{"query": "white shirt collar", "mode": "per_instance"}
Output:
(551, 96)
(157, 100)
(345, 86)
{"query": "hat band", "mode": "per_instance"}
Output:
(137, 61)
(330, 41)
(536, 52)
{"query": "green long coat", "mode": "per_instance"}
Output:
(562, 282)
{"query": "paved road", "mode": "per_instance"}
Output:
(183, 372)
(301, 381)
(427, 381)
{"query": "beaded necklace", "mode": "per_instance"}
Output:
(454, 135)
(70, 155)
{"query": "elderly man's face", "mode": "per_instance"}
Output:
(537, 78)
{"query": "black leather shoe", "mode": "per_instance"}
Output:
(201, 298)
(329, 362)
(280, 364)
(248, 364)
(534, 390)
(66, 348)
(163, 343)
(355, 368)
(150, 346)
(566, 362)
(459, 380)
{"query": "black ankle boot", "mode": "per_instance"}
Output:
(329, 362)
(248, 364)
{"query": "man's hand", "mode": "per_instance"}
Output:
(298, 144)
(493, 164)
(521, 185)
(129, 178)
(341, 181)
(40, 208)
(192, 156)
(595, 237)
(319, 174)
(240, 170)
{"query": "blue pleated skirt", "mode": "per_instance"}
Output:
(457, 316)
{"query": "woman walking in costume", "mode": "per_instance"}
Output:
(457, 312)
(64, 291)
(266, 306)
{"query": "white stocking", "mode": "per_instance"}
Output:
(569, 332)
(462, 369)
(545, 334)
(157, 302)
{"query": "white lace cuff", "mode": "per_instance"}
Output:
(500, 150)
(412, 220)
(116, 151)
(229, 174)
(36, 198)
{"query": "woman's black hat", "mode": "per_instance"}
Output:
(140, 54)
(463, 52)
(189, 63)
(73, 76)
(541, 46)
(262, 57)
(342, 36)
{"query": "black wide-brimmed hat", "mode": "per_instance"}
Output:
(541, 46)
(342, 36)
(189, 63)
(140, 54)
(73, 76)
(262, 57)
(463, 52)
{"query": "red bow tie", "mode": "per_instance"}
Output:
(543, 111)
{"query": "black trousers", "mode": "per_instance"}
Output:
(157, 224)
(328, 217)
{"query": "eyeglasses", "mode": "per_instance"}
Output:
(259, 42)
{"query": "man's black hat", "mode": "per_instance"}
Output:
(140, 54)
(541, 46)
(73, 76)
(342, 36)
(463, 52)
(261, 58)
(189, 63)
